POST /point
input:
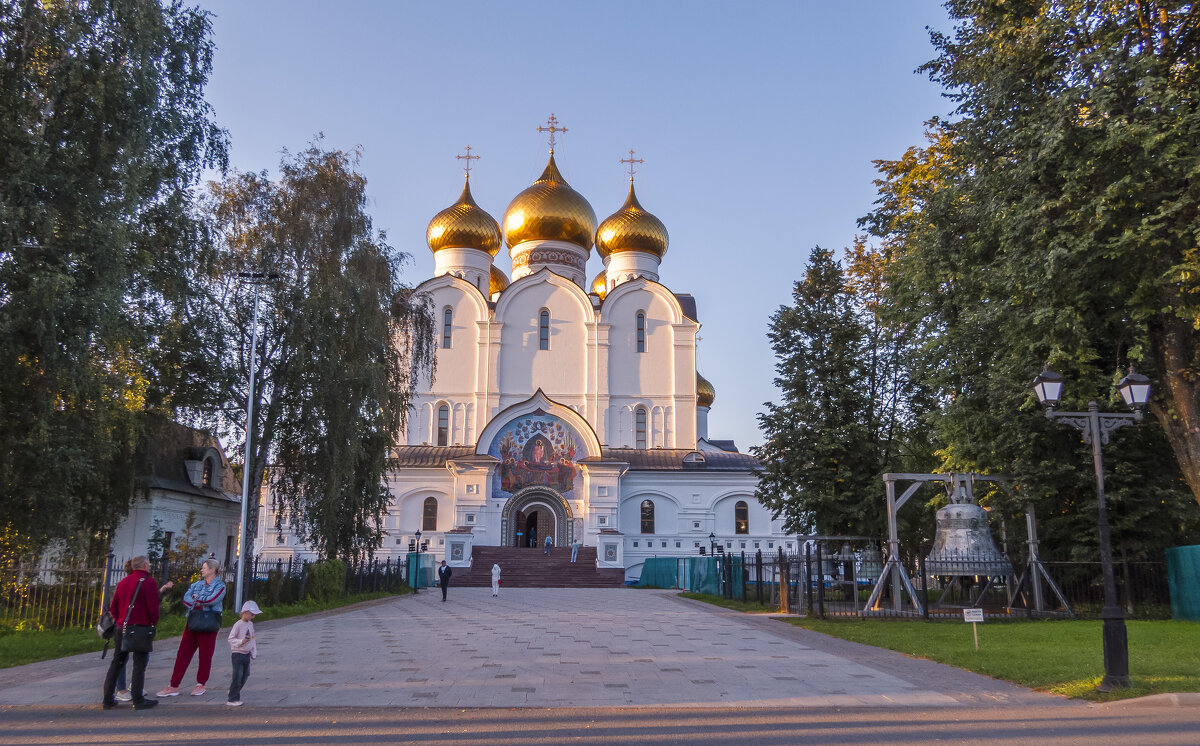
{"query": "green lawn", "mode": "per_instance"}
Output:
(19, 648)
(1059, 656)
(750, 607)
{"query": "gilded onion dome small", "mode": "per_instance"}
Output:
(631, 229)
(464, 225)
(705, 393)
(599, 284)
(550, 210)
(499, 281)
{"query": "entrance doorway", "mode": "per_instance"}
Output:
(536, 523)
(533, 514)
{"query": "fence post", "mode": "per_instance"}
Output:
(303, 578)
(924, 586)
(853, 583)
(387, 573)
(758, 576)
(820, 583)
(808, 590)
(108, 562)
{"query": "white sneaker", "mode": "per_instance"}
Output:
(198, 690)
(235, 703)
(168, 691)
(123, 696)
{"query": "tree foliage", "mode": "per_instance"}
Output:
(104, 132)
(819, 463)
(1054, 219)
(342, 343)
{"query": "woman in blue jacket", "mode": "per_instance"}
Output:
(202, 598)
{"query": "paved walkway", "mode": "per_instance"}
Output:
(544, 648)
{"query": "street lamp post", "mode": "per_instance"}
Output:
(1096, 427)
(257, 279)
(712, 544)
(416, 584)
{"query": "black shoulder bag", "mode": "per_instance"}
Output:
(136, 638)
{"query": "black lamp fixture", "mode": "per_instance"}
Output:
(1096, 427)
(712, 542)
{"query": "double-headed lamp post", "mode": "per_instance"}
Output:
(416, 584)
(1096, 427)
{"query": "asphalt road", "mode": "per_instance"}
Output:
(1094, 725)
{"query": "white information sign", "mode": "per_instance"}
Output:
(972, 615)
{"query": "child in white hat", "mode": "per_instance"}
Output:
(241, 642)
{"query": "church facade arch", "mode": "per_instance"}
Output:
(538, 498)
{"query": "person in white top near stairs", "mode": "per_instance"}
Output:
(495, 580)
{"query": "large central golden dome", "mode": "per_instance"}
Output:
(550, 210)
(464, 225)
(631, 229)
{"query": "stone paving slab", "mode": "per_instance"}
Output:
(542, 648)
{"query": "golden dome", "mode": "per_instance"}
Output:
(599, 284)
(464, 225)
(631, 229)
(550, 210)
(705, 393)
(499, 281)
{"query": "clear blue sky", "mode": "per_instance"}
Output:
(758, 122)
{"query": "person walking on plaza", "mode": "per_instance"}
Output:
(549, 543)
(203, 599)
(574, 550)
(243, 649)
(495, 580)
(134, 603)
(444, 573)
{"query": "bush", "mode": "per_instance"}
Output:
(325, 579)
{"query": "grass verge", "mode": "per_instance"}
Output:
(750, 607)
(1061, 656)
(19, 648)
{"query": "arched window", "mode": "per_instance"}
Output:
(639, 419)
(641, 332)
(429, 515)
(206, 480)
(544, 330)
(647, 517)
(741, 517)
(443, 431)
(447, 325)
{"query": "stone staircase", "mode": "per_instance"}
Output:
(522, 567)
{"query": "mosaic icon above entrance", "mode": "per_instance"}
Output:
(536, 450)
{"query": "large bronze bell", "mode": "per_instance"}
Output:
(963, 545)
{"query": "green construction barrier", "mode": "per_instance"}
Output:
(426, 574)
(660, 572)
(1183, 579)
(696, 574)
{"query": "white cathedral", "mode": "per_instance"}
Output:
(562, 408)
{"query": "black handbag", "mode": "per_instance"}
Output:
(204, 620)
(136, 638)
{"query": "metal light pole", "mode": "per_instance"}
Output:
(712, 545)
(1096, 427)
(256, 278)
(416, 584)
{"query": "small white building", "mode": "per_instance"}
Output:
(185, 471)
(562, 407)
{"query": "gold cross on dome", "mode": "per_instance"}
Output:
(631, 160)
(468, 158)
(552, 127)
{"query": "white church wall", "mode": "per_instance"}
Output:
(561, 370)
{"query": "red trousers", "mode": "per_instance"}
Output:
(205, 642)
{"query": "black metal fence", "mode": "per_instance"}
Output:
(51, 595)
(844, 580)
